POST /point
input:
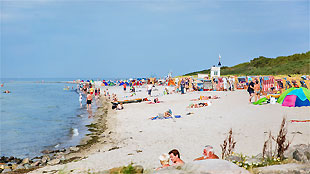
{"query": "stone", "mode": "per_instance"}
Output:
(19, 167)
(46, 151)
(25, 161)
(27, 166)
(61, 157)
(54, 162)
(18, 161)
(297, 155)
(45, 159)
(290, 168)
(234, 158)
(210, 166)
(138, 168)
(35, 163)
(307, 154)
(6, 171)
(5, 160)
(74, 149)
(300, 152)
(14, 166)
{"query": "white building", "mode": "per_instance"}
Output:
(215, 71)
(203, 76)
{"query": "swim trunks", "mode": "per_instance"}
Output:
(88, 101)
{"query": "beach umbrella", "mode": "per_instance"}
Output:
(295, 97)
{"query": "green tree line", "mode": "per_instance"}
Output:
(282, 65)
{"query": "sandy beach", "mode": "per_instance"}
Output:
(131, 135)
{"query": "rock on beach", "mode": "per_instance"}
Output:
(212, 166)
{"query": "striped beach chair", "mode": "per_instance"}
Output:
(279, 84)
(267, 83)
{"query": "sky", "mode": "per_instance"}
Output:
(139, 38)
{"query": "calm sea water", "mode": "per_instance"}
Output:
(38, 116)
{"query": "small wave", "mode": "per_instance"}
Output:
(74, 131)
(57, 145)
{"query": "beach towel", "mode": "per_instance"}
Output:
(302, 121)
(153, 102)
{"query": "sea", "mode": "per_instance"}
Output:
(40, 114)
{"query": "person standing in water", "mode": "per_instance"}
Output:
(80, 99)
(88, 101)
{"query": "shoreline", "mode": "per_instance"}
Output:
(100, 133)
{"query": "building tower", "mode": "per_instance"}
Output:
(219, 64)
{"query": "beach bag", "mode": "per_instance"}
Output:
(272, 100)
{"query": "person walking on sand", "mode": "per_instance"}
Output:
(175, 157)
(182, 84)
(208, 153)
(149, 88)
(80, 99)
(88, 101)
(225, 83)
(251, 90)
(257, 90)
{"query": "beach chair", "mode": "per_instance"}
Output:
(220, 84)
(296, 82)
(307, 82)
(279, 84)
(241, 83)
(288, 83)
(207, 85)
(267, 83)
(303, 84)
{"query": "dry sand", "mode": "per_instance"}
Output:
(135, 138)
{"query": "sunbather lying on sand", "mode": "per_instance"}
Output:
(206, 98)
(199, 105)
(167, 114)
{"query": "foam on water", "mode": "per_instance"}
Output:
(75, 132)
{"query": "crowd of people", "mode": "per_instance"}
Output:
(87, 89)
(175, 157)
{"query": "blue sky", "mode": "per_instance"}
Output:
(108, 39)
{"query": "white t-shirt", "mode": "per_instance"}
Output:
(80, 99)
(224, 80)
(149, 87)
